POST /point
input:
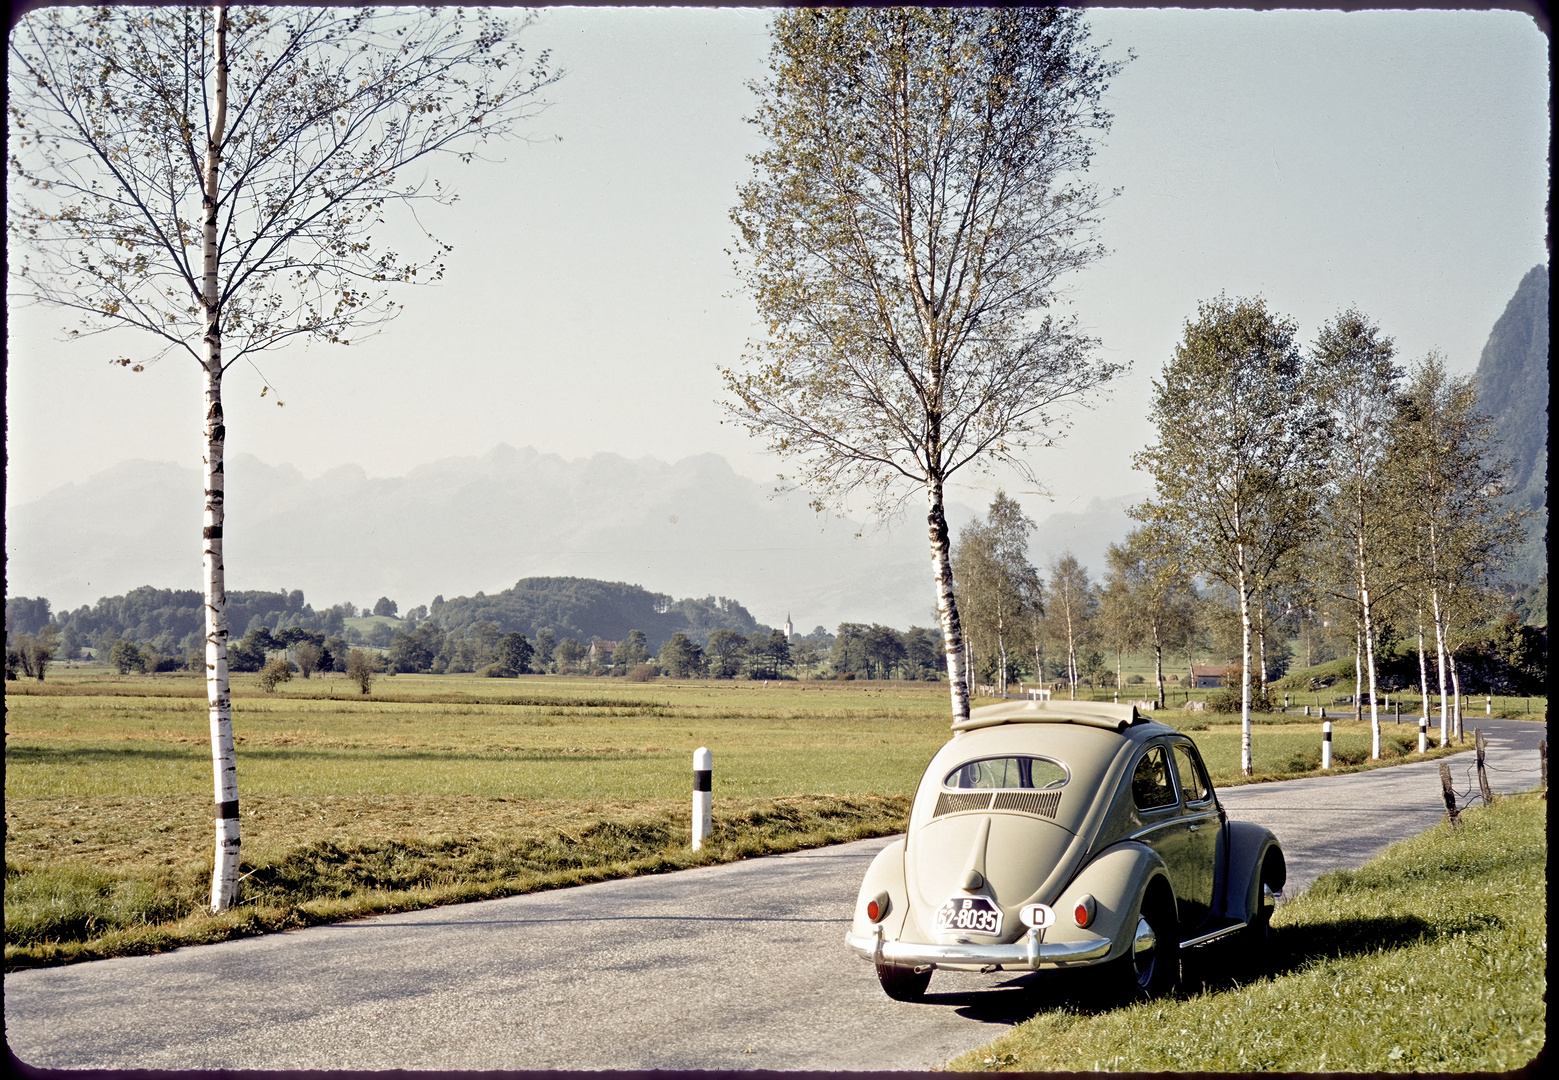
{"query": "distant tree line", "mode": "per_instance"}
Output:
(149, 630)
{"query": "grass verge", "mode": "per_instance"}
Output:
(1431, 957)
(61, 911)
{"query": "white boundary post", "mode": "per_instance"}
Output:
(1326, 745)
(703, 796)
(1423, 733)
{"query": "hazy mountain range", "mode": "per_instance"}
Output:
(462, 525)
(691, 528)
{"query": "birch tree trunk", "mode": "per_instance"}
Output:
(1439, 638)
(1246, 766)
(1158, 666)
(1071, 653)
(947, 603)
(1262, 645)
(224, 871)
(1423, 666)
(1358, 671)
(1001, 646)
(1369, 657)
(1456, 696)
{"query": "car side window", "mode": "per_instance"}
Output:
(1193, 781)
(1150, 785)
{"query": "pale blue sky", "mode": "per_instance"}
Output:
(1393, 160)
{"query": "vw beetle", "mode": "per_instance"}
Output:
(1059, 835)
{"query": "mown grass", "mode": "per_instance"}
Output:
(451, 788)
(1430, 958)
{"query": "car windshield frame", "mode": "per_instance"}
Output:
(1021, 764)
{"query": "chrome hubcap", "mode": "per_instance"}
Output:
(1143, 947)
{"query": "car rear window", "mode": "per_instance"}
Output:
(1008, 772)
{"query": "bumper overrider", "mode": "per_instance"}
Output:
(1027, 952)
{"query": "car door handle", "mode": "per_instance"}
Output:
(1195, 826)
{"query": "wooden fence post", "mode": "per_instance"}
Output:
(1450, 795)
(1480, 750)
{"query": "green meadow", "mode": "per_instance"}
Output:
(432, 789)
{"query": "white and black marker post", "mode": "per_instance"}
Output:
(1423, 733)
(1326, 745)
(703, 793)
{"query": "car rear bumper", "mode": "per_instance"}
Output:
(1027, 952)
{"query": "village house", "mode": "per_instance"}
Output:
(1205, 677)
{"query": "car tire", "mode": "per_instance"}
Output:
(1259, 931)
(1149, 971)
(903, 983)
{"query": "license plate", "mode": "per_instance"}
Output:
(974, 914)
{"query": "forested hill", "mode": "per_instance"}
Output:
(1512, 380)
(583, 608)
(171, 621)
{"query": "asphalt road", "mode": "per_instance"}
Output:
(740, 966)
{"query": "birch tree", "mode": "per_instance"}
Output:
(1148, 589)
(220, 181)
(1234, 465)
(1442, 463)
(1357, 382)
(906, 230)
(1073, 604)
(996, 582)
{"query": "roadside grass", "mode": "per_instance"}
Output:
(451, 788)
(1432, 957)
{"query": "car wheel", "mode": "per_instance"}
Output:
(903, 983)
(1151, 965)
(1260, 928)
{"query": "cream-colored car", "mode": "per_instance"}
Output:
(1051, 834)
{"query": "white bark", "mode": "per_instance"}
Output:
(224, 871)
(1158, 666)
(1439, 637)
(1456, 697)
(1358, 671)
(1247, 767)
(1001, 648)
(1369, 657)
(947, 603)
(1261, 644)
(1423, 666)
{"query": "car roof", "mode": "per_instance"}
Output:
(1100, 714)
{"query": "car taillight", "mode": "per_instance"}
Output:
(877, 907)
(1083, 913)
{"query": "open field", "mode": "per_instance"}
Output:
(1432, 957)
(437, 788)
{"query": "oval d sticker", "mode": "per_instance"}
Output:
(1036, 916)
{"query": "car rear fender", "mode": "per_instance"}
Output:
(884, 875)
(1250, 847)
(1118, 880)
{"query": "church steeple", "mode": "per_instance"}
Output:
(790, 631)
